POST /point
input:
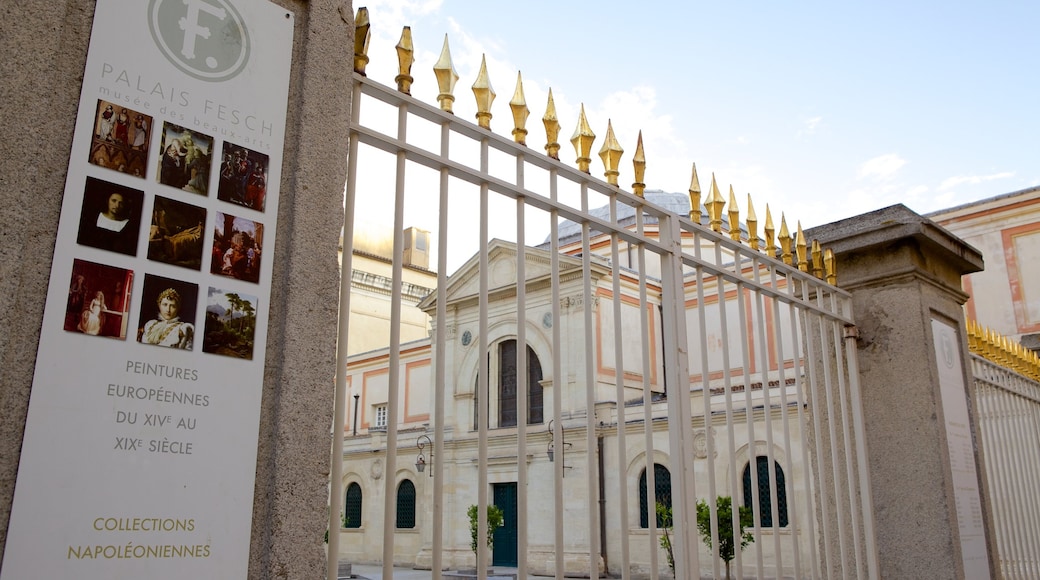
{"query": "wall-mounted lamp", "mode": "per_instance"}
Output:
(550, 448)
(420, 461)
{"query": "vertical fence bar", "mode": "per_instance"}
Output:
(648, 401)
(850, 478)
(619, 393)
(484, 391)
(706, 395)
(727, 385)
(339, 416)
(863, 471)
(749, 419)
(676, 345)
(558, 378)
(590, 387)
(394, 385)
(781, 362)
(813, 396)
(767, 406)
(522, 375)
(440, 361)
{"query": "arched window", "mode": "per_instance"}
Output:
(662, 494)
(353, 506)
(406, 505)
(765, 503)
(506, 375)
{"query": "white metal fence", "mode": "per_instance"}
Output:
(1009, 426)
(665, 347)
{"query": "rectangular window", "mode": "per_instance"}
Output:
(380, 417)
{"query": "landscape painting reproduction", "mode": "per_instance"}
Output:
(230, 324)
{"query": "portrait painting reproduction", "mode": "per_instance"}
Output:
(243, 177)
(110, 218)
(176, 233)
(120, 139)
(167, 315)
(99, 300)
(237, 247)
(230, 324)
(185, 157)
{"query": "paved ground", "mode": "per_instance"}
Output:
(376, 573)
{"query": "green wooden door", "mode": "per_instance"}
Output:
(505, 537)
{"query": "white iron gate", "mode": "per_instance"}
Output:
(667, 362)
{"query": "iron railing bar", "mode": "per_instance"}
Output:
(767, 290)
(851, 481)
(394, 380)
(805, 323)
(863, 468)
(619, 393)
(504, 144)
(557, 378)
(440, 363)
(774, 505)
(684, 547)
(460, 171)
(707, 412)
(336, 491)
(1030, 473)
(792, 502)
(592, 489)
(484, 399)
(648, 398)
(522, 375)
(746, 364)
(727, 383)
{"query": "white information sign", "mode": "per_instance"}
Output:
(139, 455)
(966, 494)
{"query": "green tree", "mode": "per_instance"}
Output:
(724, 511)
(495, 518)
(664, 515)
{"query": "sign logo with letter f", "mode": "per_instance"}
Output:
(206, 39)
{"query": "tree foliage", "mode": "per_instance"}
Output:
(495, 519)
(724, 512)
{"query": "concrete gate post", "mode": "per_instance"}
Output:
(904, 273)
(45, 44)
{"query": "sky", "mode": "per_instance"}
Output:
(823, 110)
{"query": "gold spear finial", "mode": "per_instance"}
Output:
(518, 104)
(362, 36)
(444, 70)
(830, 266)
(639, 166)
(734, 216)
(817, 259)
(770, 232)
(610, 153)
(582, 141)
(752, 224)
(695, 197)
(785, 240)
(714, 205)
(485, 95)
(802, 249)
(405, 58)
(552, 129)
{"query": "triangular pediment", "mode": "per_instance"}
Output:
(464, 283)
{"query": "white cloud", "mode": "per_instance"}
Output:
(951, 182)
(882, 167)
(810, 126)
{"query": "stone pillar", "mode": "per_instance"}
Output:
(904, 273)
(40, 81)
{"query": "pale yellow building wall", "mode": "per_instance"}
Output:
(1005, 297)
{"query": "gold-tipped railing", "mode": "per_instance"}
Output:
(1002, 351)
(796, 251)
